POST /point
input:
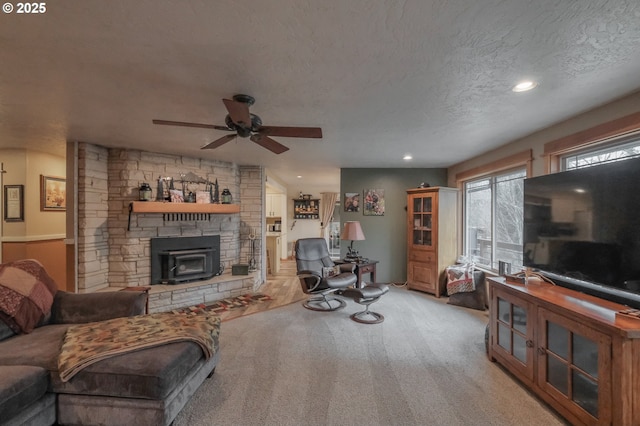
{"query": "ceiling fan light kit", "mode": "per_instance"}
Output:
(247, 125)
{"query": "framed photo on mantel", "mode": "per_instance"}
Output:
(53, 193)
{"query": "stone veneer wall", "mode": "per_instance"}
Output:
(111, 256)
(93, 217)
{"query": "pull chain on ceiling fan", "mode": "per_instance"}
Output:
(247, 125)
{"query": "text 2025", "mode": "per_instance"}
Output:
(31, 7)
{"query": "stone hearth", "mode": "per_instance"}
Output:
(164, 298)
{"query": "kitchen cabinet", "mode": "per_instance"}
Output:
(274, 205)
(431, 237)
(274, 247)
(569, 348)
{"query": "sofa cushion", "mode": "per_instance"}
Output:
(5, 331)
(20, 386)
(476, 299)
(26, 294)
(72, 308)
(149, 373)
(40, 347)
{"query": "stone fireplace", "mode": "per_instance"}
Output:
(176, 260)
(114, 248)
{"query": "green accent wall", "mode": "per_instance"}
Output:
(386, 236)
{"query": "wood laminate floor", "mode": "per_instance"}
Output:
(283, 287)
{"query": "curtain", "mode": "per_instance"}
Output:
(327, 206)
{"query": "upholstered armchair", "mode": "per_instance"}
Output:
(319, 276)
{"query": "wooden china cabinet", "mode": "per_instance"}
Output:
(570, 349)
(431, 237)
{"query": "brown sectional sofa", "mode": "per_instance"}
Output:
(145, 387)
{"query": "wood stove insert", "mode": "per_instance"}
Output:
(176, 260)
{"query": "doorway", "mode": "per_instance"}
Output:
(334, 233)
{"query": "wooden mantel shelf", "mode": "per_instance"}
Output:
(180, 209)
(160, 207)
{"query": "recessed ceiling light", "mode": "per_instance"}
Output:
(524, 86)
(407, 157)
(299, 177)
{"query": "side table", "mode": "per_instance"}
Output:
(363, 267)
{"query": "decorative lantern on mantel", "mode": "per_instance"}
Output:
(226, 196)
(145, 192)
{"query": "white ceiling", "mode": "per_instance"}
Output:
(428, 77)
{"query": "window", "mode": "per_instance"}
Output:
(628, 148)
(493, 210)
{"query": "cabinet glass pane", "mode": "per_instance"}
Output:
(519, 347)
(417, 221)
(585, 392)
(426, 238)
(585, 355)
(519, 319)
(426, 221)
(504, 311)
(558, 340)
(557, 374)
(504, 337)
(426, 205)
(417, 205)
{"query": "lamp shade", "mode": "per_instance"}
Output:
(352, 231)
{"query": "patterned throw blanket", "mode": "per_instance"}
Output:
(87, 344)
(460, 279)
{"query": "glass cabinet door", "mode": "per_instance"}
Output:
(512, 328)
(570, 357)
(422, 213)
(513, 331)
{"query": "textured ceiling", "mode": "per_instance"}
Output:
(429, 77)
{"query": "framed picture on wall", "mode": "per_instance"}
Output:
(351, 202)
(14, 203)
(373, 202)
(53, 193)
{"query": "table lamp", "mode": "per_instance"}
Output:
(352, 231)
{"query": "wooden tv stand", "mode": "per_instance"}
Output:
(569, 348)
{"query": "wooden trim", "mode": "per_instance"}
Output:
(599, 133)
(160, 207)
(521, 158)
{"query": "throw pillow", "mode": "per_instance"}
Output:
(26, 294)
(460, 279)
(476, 299)
(330, 271)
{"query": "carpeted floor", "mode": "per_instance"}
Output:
(424, 365)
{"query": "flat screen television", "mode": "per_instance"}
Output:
(582, 229)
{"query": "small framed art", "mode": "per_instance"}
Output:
(14, 203)
(373, 202)
(351, 202)
(53, 193)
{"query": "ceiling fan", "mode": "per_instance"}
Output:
(247, 125)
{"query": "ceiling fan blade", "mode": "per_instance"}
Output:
(219, 142)
(268, 143)
(291, 132)
(186, 124)
(239, 113)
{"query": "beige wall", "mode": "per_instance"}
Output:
(40, 235)
(536, 141)
(24, 168)
(43, 223)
